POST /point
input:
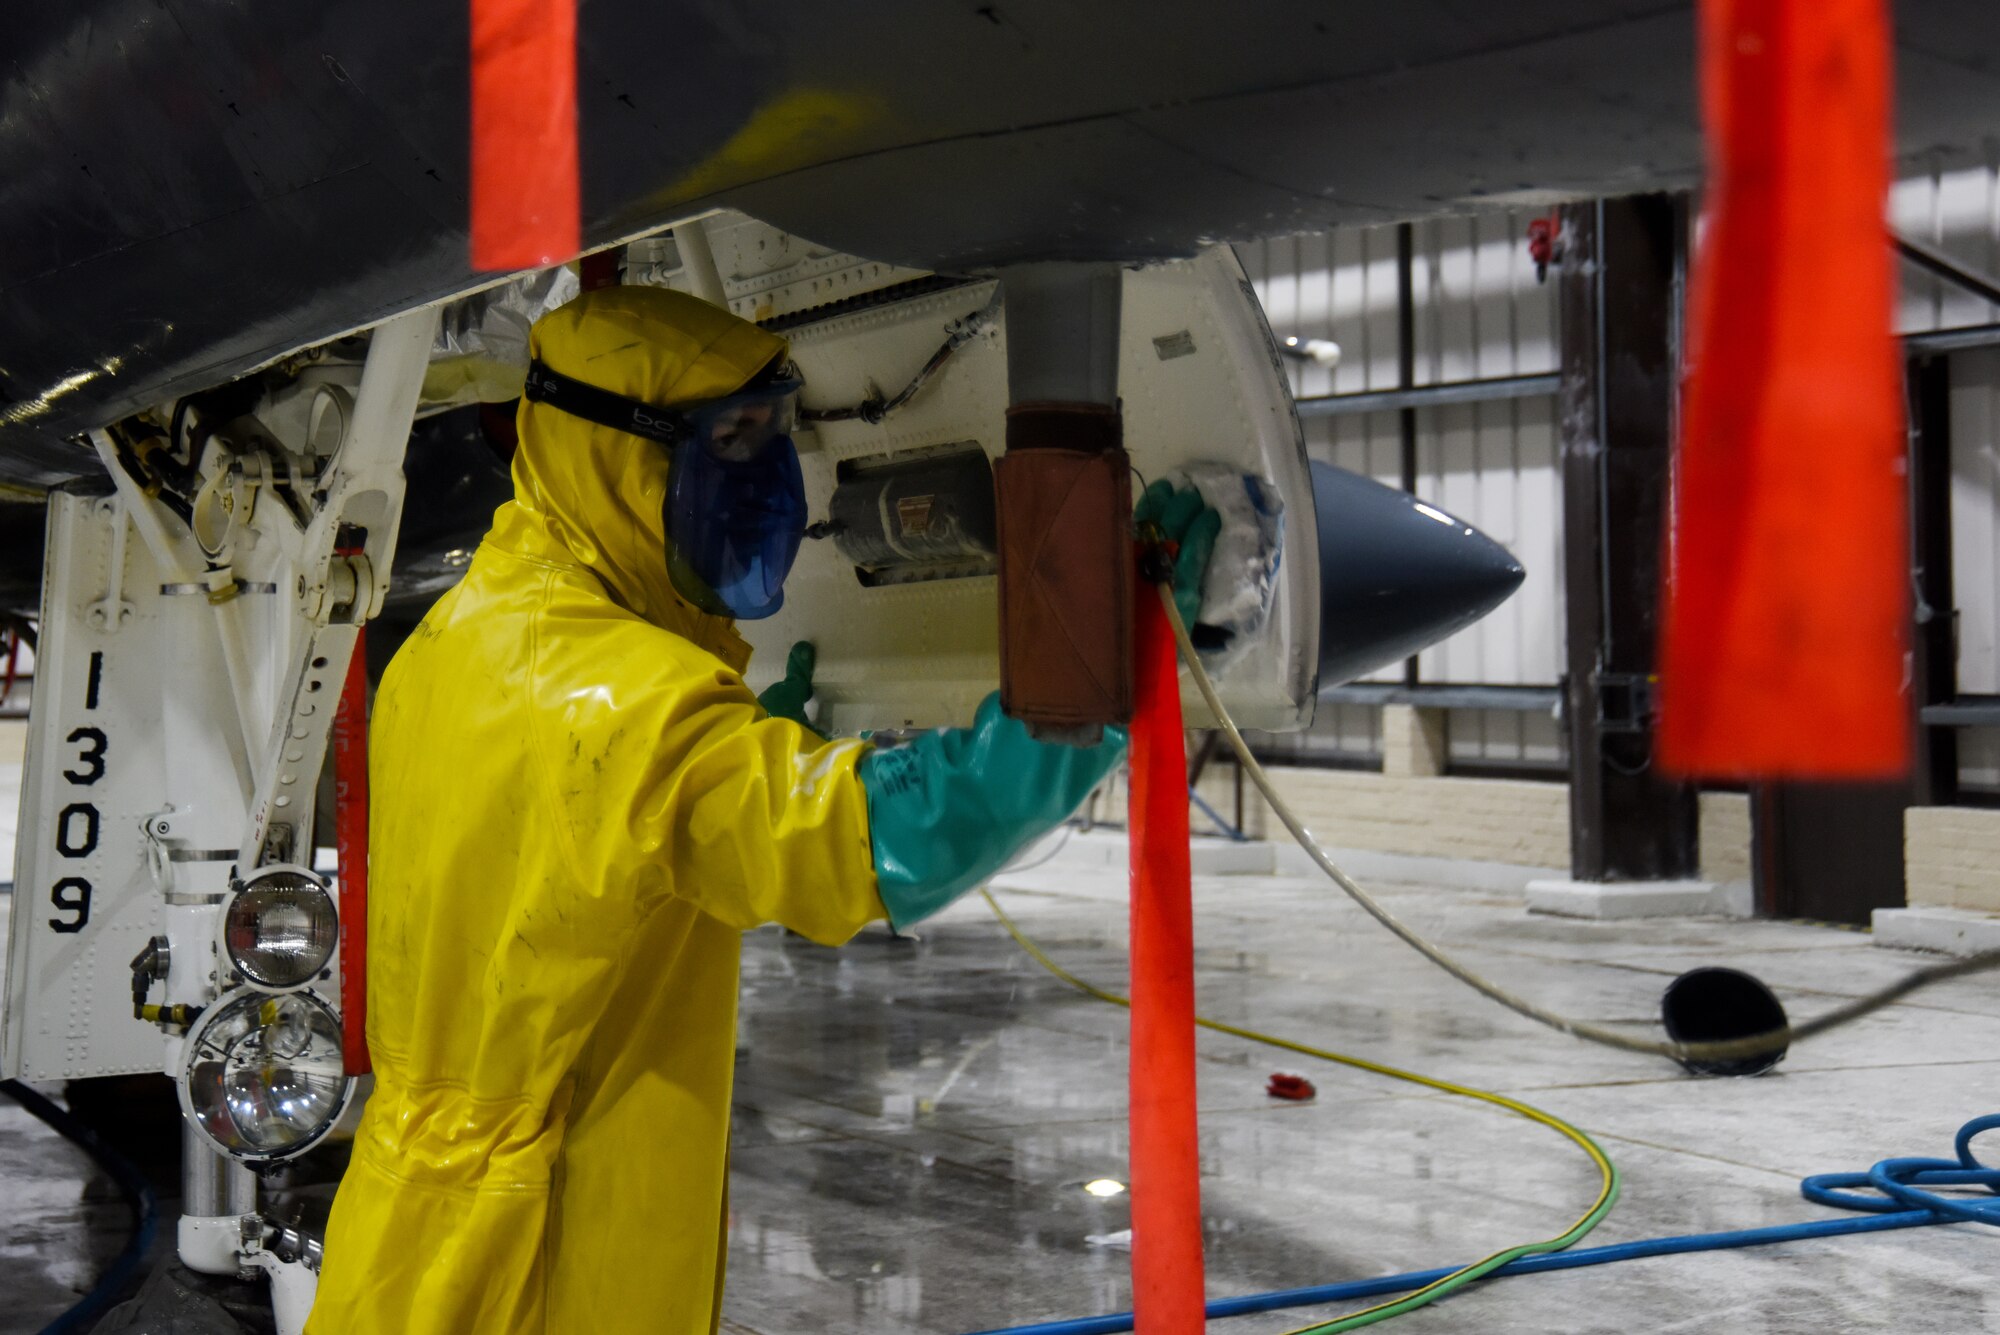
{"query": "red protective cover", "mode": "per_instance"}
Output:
(525, 203)
(1166, 1184)
(350, 838)
(1787, 590)
(1065, 530)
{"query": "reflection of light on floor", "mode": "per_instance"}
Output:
(1104, 1186)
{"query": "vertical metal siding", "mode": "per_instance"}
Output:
(1479, 313)
(1959, 212)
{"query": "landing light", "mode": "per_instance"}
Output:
(280, 928)
(1105, 1186)
(262, 1078)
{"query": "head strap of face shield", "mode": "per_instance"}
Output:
(603, 407)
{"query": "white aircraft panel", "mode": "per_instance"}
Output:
(84, 902)
(1200, 380)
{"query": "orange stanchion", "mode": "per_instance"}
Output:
(526, 204)
(1787, 591)
(350, 837)
(1166, 1187)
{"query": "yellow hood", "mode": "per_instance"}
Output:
(593, 496)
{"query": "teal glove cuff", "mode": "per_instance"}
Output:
(954, 806)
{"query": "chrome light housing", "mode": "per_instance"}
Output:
(262, 1077)
(280, 928)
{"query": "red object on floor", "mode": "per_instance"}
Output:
(1167, 1289)
(1787, 592)
(350, 837)
(526, 205)
(1284, 1086)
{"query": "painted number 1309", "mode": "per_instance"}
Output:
(77, 824)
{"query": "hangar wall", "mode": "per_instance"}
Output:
(1478, 313)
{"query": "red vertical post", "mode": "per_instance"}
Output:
(1167, 1289)
(350, 837)
(1787, 593)
(526, 203)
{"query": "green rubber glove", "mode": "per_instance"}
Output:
(786, 698)
(1182, 517)
(954, 806)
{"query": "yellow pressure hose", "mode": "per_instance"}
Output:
(1607, 1194)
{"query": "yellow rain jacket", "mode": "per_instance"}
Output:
(578, 807)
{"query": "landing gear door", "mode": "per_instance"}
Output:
(84, 900)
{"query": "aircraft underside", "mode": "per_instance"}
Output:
(192, 190)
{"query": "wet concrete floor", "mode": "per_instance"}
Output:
(916, 1120)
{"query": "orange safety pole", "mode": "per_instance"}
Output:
(526, 203)
(1167, 1289)
(1787, 587)
(350, 837)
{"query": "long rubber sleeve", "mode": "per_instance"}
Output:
(954, 806)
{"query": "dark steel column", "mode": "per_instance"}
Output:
(1406, 375)
(1620, 293)
(1834, 851)
(1935, 638)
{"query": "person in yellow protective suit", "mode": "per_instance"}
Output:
(577, 808)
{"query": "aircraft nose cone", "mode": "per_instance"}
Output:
(1396, 574)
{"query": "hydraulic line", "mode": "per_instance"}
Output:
(874, 408)
(1445, 1282)
(1754, 1046)
(138, 1193)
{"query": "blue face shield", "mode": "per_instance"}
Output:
(734, 526)
(735, 510)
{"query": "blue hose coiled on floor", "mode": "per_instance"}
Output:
(1900, 1201)
(1900, 1183)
